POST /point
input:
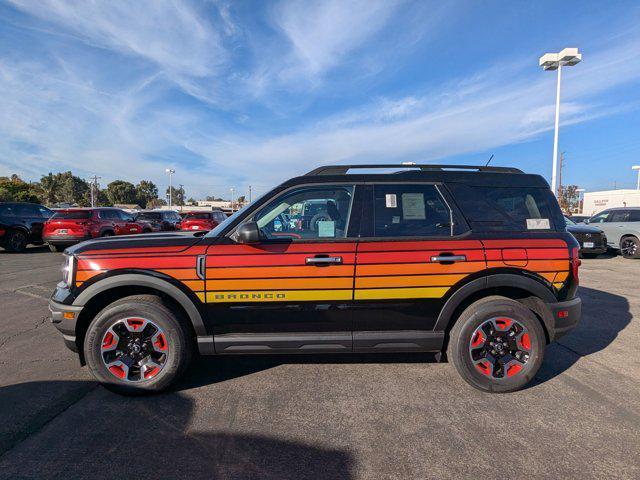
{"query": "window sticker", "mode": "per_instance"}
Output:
(391, 200)
(538, 224)
(395, 219)
(413, 206)
(326, 228)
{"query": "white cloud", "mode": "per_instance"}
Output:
(169, 34)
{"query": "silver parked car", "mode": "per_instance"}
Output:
(622, 228)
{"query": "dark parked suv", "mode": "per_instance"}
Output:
(21, 224)
(160, 220)
(472, 261)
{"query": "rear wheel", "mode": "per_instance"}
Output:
(56, 248)
(630, 247)
(497, 345)
(137, 345)
(107, 233)
(16, 241)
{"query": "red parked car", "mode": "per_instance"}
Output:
(203, 220)
(73, 225)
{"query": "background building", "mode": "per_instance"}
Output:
(595, 202)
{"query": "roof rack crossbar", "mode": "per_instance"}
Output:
(343, 169)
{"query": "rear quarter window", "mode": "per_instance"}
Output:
(508, 209)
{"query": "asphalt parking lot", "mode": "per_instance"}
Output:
(347, 417)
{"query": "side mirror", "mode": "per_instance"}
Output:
(248, 233)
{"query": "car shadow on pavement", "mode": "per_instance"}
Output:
(32, 249)
(604, 316)
(214, 369)
(110, 436)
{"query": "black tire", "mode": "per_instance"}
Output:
(477, 314)
(630, 247)
(589, 255)
(16, 241)
(150, 307)
(107, 233)
(56, 248)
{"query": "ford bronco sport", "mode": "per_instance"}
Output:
(471, 262)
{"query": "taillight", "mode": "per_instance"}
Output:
(2, 231)
(575, 263)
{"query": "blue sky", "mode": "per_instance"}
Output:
(250, 93)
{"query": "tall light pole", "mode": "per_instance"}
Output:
(580, 199)
(231, 198)
(555, 61)
(170, 171)
(637, 167)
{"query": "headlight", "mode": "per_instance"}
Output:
(69, 270)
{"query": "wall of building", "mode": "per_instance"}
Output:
(595, 202)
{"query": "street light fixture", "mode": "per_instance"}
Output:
(637, 167)
(170, 171)
(555, 61)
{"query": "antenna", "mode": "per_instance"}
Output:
(489, 161)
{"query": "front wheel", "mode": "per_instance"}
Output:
(137, 345)
(497, 345)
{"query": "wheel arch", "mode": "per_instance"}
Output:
(530, 292)
(107, 290)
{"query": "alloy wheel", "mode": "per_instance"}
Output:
(500, 347)
(628, 247)
(134, 349)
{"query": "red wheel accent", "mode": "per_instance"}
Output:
(525, 341)
(109, 340)
(477, 339)
(152, 372)
(118, 371)
(484, 368)
(503, 323)
(513, 369)
(160, 343)
(135, 323)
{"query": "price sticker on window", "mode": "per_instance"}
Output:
(391, 200)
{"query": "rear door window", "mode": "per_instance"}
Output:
(410, 210)
(618, 216)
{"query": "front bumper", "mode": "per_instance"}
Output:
(64, 318)
(564, 317)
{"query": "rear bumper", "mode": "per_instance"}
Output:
(66, 240)
(565, 316)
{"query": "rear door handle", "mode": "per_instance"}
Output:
(448, 258)
(323, 261)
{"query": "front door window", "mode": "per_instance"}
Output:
(313, 213)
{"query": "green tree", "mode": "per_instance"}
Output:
(146, 191)
(177, 195)
(120, 191)
(62, 187)
(13, 189)
(569, 198)
(156, 202)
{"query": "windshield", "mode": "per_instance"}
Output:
(72, 214)
(149, 216)
(199, 216)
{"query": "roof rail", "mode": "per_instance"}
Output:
(343, 169)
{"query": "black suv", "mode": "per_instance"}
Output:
(159, 220)
(472, 261)
(21, 224)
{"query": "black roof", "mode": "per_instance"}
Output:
(468, 174)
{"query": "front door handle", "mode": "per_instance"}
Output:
(323, 261)
(446, 258)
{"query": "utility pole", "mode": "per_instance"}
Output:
(94, 182)
(560, 175)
